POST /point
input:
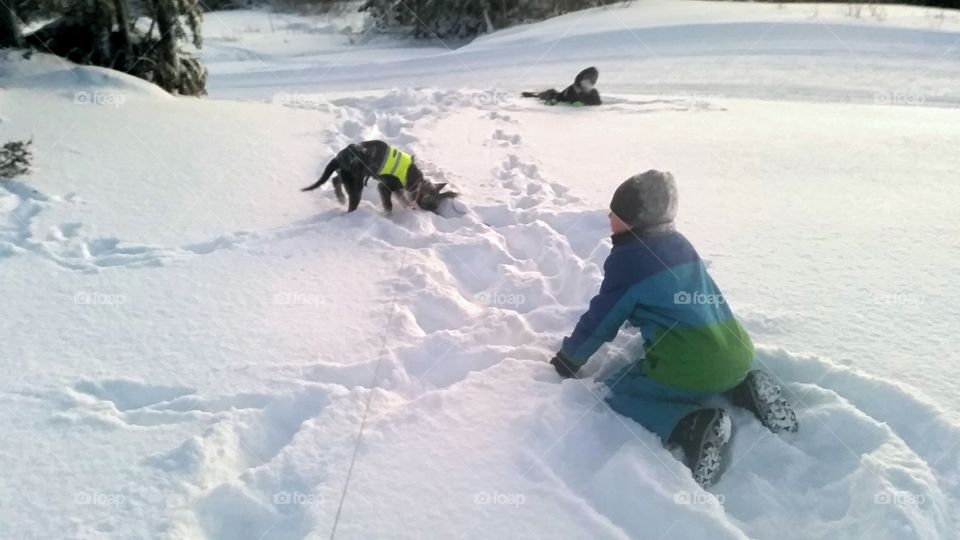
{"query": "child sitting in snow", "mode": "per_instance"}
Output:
(581, 92)
(695, 349)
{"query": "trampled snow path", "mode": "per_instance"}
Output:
(484, 295)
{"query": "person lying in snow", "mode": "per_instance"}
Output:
(695, 350)
(581, 92)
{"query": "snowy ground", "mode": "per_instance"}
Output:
(189, 344)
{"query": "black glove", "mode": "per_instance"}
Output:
(565, 368)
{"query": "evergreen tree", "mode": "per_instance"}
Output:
(176, 20)
(9, 27)
(465, 18)
(102, 33)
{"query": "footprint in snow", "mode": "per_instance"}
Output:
(506, 139)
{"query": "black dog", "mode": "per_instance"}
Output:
(581, 92)
(394, 170)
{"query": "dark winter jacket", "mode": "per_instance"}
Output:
(581, 92)
(659, 284)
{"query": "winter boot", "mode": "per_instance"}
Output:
(760, 394)
(702, 435)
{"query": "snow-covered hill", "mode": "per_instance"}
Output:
(189, 345)
(664, 47)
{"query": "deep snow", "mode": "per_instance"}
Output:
(189, 343)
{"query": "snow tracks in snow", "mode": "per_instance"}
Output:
(470, 434)
(66, 244)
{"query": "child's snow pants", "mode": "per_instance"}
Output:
(653, 405)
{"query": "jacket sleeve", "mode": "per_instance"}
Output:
(607, 312)
(549, 96)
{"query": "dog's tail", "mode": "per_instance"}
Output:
(331, 168)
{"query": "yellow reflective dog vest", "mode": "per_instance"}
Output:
(396, 164)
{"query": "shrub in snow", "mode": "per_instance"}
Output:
(15, 159)
(465, 18)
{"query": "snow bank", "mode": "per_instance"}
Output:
(84, 84)
(189, 343)
(822, 53)
(227, 403)
(106, 154)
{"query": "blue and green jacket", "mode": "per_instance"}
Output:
(659, 284)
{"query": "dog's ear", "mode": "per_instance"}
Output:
(440, 186)
(449, 194)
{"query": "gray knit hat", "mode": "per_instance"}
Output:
(647, 202)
